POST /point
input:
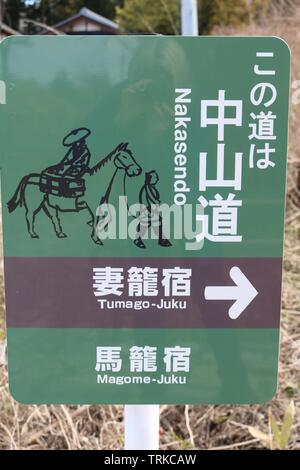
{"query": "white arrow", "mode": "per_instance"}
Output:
(243, 293)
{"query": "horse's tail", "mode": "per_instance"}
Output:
(18, 197)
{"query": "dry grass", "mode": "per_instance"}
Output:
(200, 427)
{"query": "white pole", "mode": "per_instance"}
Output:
(141, 427)
(142, 421)
(189, 18)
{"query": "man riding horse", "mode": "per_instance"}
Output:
(61, 187)
(76, 161)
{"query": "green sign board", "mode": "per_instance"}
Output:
(143, 188)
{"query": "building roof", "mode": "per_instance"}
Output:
(7, 29)
(90, 15)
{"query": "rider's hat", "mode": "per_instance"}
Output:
(75, 136)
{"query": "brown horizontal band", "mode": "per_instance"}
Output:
(58, 293)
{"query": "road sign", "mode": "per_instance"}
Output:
(143, 188)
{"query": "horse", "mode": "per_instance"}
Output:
(28, 192)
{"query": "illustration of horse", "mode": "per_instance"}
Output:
(54, 194)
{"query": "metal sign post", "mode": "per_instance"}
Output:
(141, 427)
(142, 421)
(189, 18)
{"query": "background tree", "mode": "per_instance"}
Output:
(11, 10)
(107, 8)
(163, 16)
(160, 16)
(214, 13)
(155, 16)
(259, 8)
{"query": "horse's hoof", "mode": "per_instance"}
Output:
(62, 235)
(34, 235)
